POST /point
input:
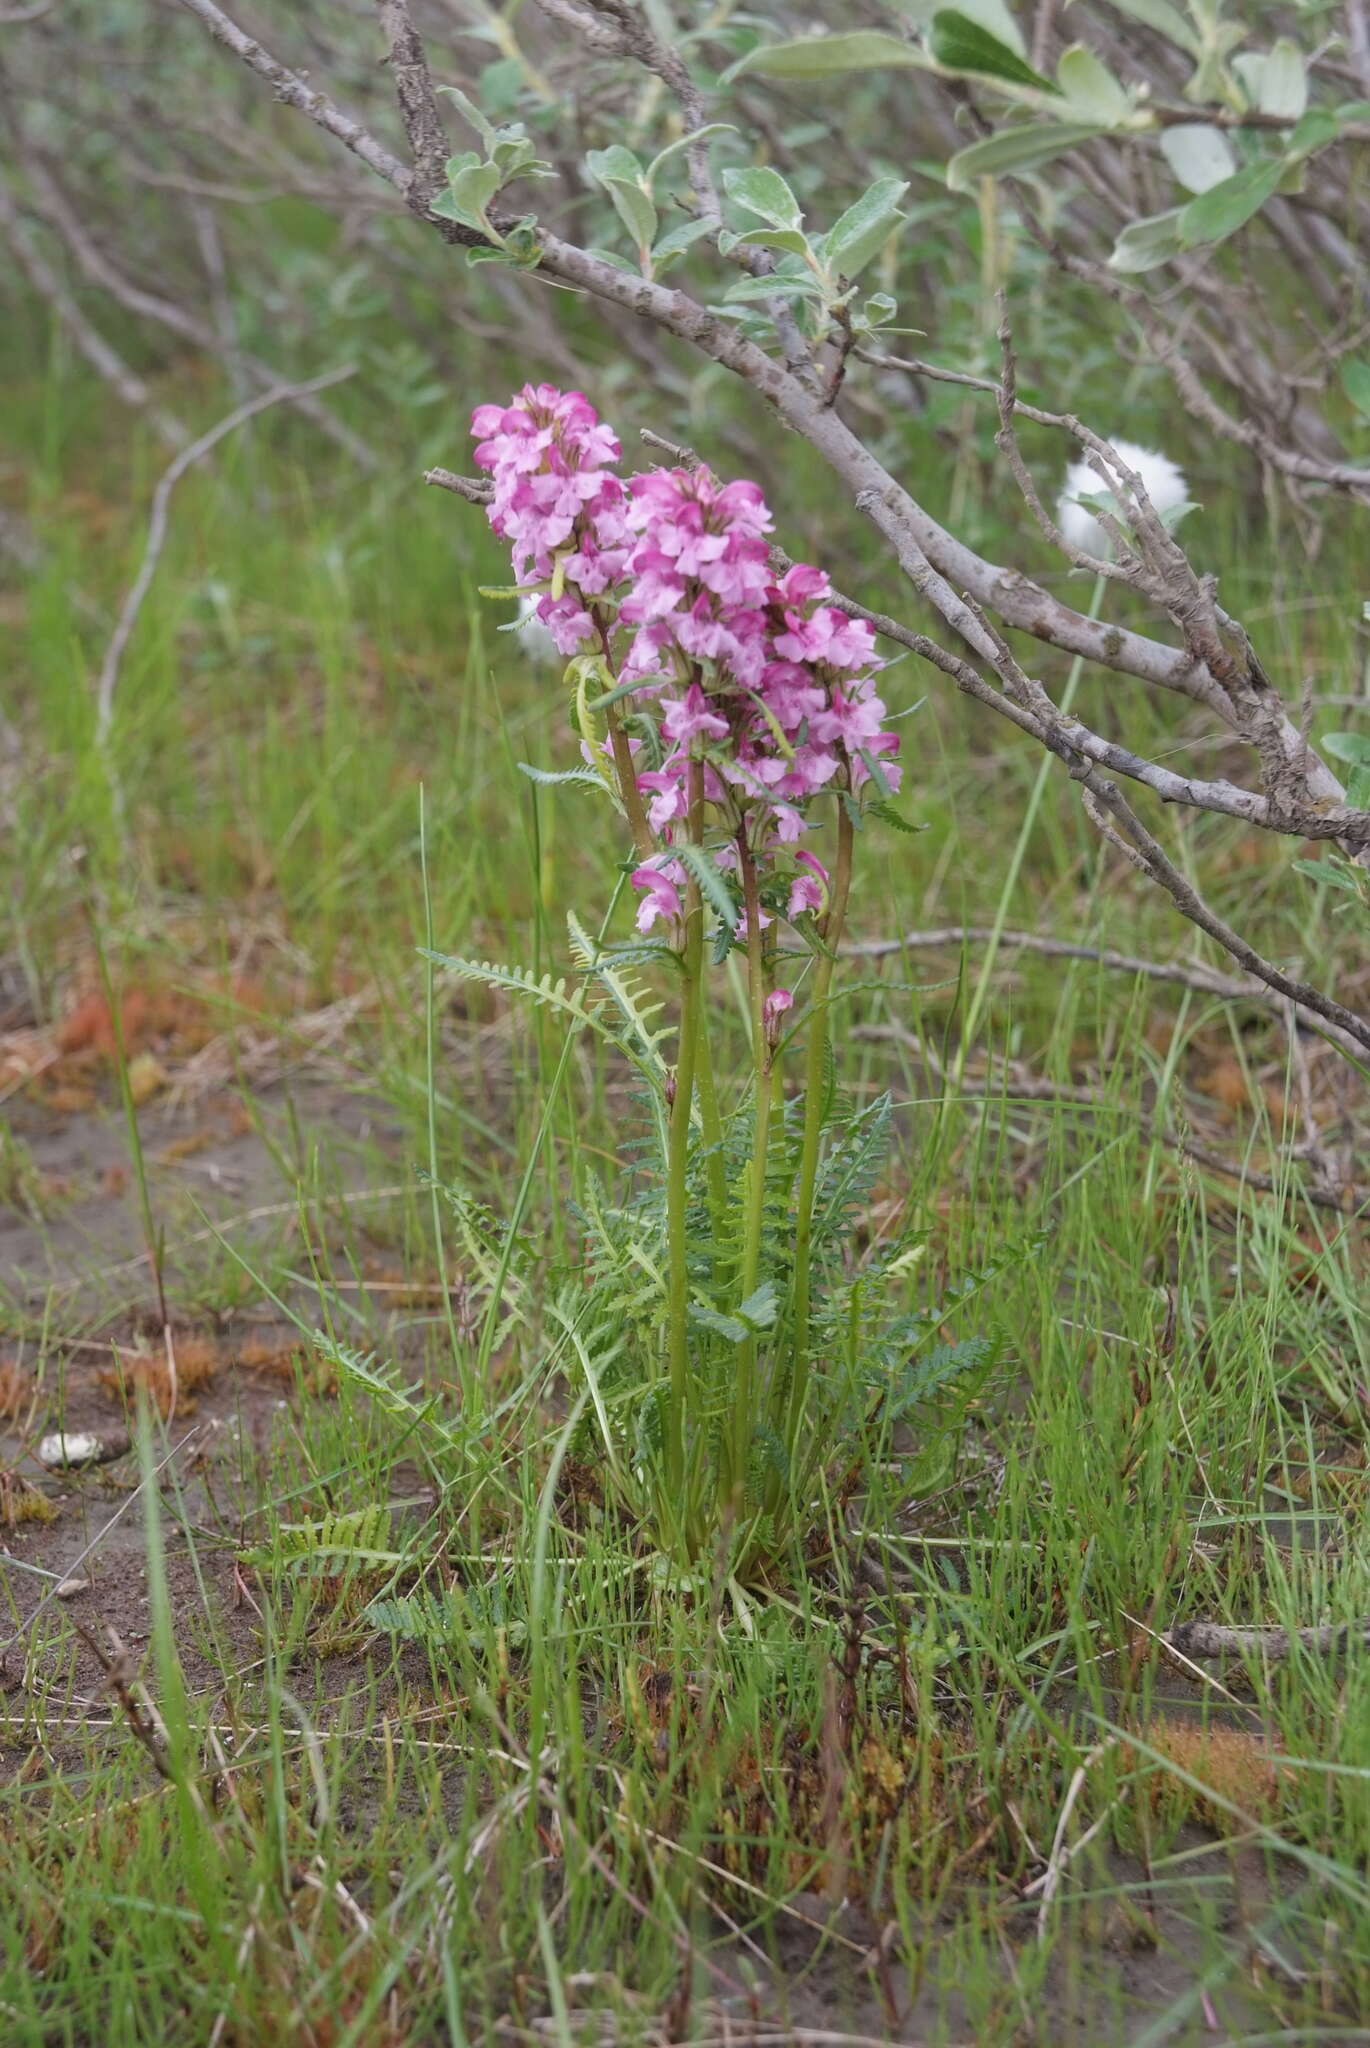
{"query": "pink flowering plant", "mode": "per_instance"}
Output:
(729, 707)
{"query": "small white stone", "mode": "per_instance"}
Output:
(69, 1588)
(60, 1452)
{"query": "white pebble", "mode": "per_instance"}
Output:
(60, 1452)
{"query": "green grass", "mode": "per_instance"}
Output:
(577, 1800)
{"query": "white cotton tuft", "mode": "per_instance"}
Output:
(1162, 479)
(533, 637)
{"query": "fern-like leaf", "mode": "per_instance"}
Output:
(361, 1536)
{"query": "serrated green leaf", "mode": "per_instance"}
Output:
(944, 1364)
(1143, 244)
(711, 883)
(361, 1536)
(1090, 87)
(554, 778)
(876, 772)
(636, 1005)
(827, 56)
(890, 816)
(1199, 155)
(706, 1317)
(761, 1307)
(960, 44)
(1219, 212)
(764, 192)
(1016, 149)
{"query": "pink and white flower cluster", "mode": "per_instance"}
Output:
(758, 676)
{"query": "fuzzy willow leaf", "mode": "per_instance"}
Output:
(763, 191)
(963, 45)
(859, 234)
(1167, 21)
(1091, 87)
(1199, 155)
(826, 56)
(1017, 149)
(1145, 244)
(1220, 211)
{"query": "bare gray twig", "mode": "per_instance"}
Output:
(108, 678)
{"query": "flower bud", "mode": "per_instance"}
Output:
(772, 1012)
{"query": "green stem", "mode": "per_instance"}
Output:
(678, 1157)
(712, 1123)
(764, 1087)
(813, 1119)
(630, 796)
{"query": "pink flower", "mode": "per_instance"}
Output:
(666, 788)
(662, 877)
(808, 891)
(791, 693)
(568, 622)
(803, 584)
(852, 721)
(830, 637)
(689, 717)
